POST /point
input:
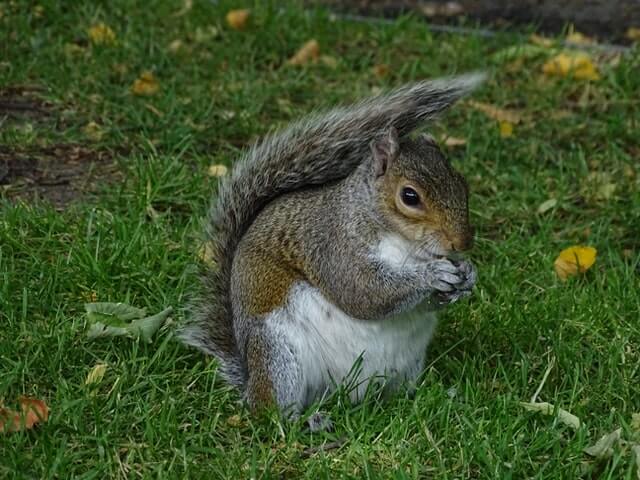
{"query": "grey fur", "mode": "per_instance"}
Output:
(318, 150)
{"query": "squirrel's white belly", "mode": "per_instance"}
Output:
(335, 348)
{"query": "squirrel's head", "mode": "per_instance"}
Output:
(420, 195)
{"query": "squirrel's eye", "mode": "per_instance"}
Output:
(410, 197)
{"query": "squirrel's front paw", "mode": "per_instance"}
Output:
(466, 274)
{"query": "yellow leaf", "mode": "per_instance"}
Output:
(217, 170)
(237, 19)
(499, 114)
(633, 34)
(578, 38)
(101, 34)
(93, 131)
(145, 84)
(506, 129)
(309, 52)
(577, 65)
(541, 41)
(96, 374)
(454, 141)
(574, 260)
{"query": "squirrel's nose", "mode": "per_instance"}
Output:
(462, 241)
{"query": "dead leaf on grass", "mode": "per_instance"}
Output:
(547, 205)
(238, 19)
(574, 260)
(309, 52)
(574, 65)
(541, 40)
(96, 374)
(381, 70)
(32, 411)
(453, 142)
(145, 84)
(118, 319)
(546, 408)
(506, 129)
(496, 113)
(604, 447)
(93, 131)
(633, 34)
(217, 170)
(101, 34)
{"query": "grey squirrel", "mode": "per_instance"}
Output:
(325, 238)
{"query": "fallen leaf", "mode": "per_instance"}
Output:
(205, 254)
(101, 34)
(548, 409)
(205, 34)
(329, 61)
(187, 5)
(96, 374)
(381, 70)
(578, 38)
(575, 65)
(118, 319)
(547, 205)
(234, 421)
(93, 131)
(309, 52)
(506, 129)
(499, 114)
(237, 19)
(145, 84)
(574, 260)
(175, 45)
(217, 170)
(633, 34)
(453, 141)
(32, 411)
(635, 422)
(541, 41)
(604, 447)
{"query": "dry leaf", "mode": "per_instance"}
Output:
(32, 411)
(217, 170)
(633, 34)
(175, 46)
(574, 260)
(454, 141)
(541, 41)
(234, 421)
(547, 205)
(635, 422)
(237, 19)
(548, 409)
(499, 114)
(100, 34)
(604, 447)
(575, 65)
(381, 70)
(205, 254)
(309, 52)
(145, 84)
(96, 374)
(329, 61)
(506, 129)
(93, 131)
(578, 38)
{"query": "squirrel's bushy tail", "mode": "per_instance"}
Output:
(316, 150)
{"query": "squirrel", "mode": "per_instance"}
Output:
(332, 245)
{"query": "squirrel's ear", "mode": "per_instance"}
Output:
(384, 150)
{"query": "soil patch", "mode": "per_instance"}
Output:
(21, 102)
(607, 20)
(57, 174)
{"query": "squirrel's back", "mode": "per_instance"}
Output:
(314, 151)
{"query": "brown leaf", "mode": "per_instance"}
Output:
(309, 52)
(381, 70)
(633, 34)
(145, 84)
(32, 411)
(101, 34)
(238, 19)
(499, 114)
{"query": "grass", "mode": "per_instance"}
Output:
(160, 410)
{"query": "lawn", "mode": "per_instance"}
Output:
(128, 230)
